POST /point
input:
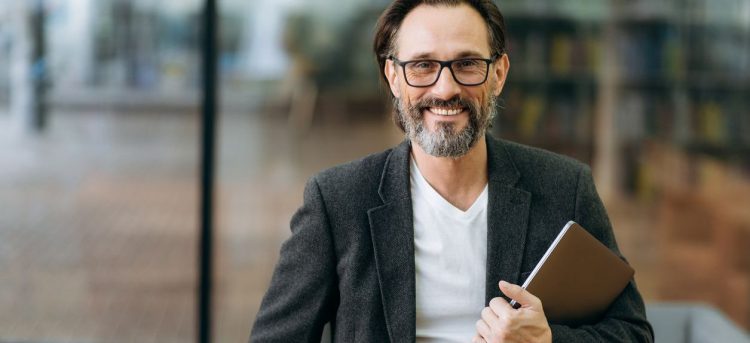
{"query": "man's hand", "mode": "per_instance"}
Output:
(502, 323)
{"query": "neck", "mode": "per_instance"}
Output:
(458, 180)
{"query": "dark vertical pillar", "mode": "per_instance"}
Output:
(38, 67)
(208, 142)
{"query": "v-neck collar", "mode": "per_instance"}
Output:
(438, 201)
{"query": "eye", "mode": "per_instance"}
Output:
(423, 65)
(466, 64)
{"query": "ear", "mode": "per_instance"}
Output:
(391, 73)
(500, 70)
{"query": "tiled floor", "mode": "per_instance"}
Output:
(98, 225)
(98, 230)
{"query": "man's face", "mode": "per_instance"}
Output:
(447, 118)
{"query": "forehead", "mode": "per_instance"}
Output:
(442, 32)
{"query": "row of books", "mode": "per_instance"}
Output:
(541, 117)
(654, 52)
(556, 53)
(718, 119)
(731, 13)
(651, 54)
(714, 119)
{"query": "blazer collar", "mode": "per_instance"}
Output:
(392, 233)
(394, 182)
(500, 165)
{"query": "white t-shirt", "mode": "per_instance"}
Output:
(450, 248)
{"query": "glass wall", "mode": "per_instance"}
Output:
(98, 170)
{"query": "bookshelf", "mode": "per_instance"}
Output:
(681, 76)
(551, 89)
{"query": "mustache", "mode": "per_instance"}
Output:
(454, 102)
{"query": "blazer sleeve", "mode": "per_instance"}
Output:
(625, 320)
(303, 293)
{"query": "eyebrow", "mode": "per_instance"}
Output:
(462, 54)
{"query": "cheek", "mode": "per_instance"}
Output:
(413, 95)
(480, 97)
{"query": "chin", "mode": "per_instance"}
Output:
(455, 127)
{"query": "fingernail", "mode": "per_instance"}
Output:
(503, 283)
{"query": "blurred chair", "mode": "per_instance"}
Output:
(692, 322)
(299, 84)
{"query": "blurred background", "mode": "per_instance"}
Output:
(99, 146)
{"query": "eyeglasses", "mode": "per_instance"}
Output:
(466, 71)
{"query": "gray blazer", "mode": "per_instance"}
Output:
(350, 259)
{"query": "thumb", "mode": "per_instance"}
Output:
(519, 294)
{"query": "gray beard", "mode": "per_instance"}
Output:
(445, 141)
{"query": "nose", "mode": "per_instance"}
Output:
(446, 86)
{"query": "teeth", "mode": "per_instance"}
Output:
(446, 111)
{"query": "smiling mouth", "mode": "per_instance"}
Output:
(446, 111)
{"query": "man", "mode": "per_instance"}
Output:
(412, 243)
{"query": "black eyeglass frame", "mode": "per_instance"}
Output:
(443, 65)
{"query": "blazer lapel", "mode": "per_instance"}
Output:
(507, 219)
(392, 232)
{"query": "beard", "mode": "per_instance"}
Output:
(446, 140)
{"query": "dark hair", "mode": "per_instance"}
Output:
(390, 22)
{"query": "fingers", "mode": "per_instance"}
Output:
(490, 317)
(483, 329)
(501, 321)
(478, 339)
(520, 295)
(493, 316)
(500, 306)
